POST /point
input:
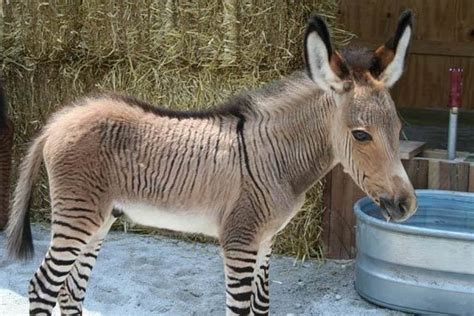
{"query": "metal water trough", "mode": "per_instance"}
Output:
(424, 265)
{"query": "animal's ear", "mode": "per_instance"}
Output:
(389, 59)
(324, 65)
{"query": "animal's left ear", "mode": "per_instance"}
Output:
(389, 59)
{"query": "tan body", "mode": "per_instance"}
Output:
(168, 172)
(238, 172)
(138, 169)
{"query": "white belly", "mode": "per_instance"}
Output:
(184, 221)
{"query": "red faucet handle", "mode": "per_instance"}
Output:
(455, 90)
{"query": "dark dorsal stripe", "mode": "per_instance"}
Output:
(236, 106)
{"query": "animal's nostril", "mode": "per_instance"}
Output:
(385, 203)
(402, 208)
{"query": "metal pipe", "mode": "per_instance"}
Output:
(453, 125)
(454, 104)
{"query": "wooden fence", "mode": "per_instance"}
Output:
(443, 38)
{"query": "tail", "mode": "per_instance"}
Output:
(20, 242)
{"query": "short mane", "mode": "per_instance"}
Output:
(236, 106)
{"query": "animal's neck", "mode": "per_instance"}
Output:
(294, 133)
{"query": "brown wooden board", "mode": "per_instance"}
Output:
(453, 176)
(409, 149)
(417, 170)
(327, 199)
(6, 143)
(339, 218)
(448, 175)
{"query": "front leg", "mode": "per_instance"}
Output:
(240, 241)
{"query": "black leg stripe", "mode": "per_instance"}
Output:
(71, 308)
(91, 255)
(72, 250)
(59, 262)
(84, 277)
(240, 282)
(80, 288)
(71, 293)
(86, 265)
(39, 310)
(248, 269)
(261, 313)
(80, 217)
(57, 273)
(262, 298)
(72, 227)
(44, 289)
(47, 277)
(69, 238)
(239, 311)
(43, 301)
(247, 260)
(241, 297)
(263, 284)
(242, 251)
(259, 308)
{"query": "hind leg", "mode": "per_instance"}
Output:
(246, 270)
(260, 303)
(70, 236)
(73, 290)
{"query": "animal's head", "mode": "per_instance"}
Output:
(366, 127)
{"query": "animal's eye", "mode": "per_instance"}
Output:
(361, 136)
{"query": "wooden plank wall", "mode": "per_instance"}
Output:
(340, 193)
(443, 38)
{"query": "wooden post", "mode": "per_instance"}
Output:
(417, 170)
(6, 143)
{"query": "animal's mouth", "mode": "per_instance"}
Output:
(385, 214)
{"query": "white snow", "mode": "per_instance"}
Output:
(149, 275)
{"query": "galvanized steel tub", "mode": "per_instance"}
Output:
(424, 265)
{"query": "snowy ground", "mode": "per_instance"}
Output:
(147, 275)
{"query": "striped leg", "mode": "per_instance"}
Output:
(260, 289)
(239, 275)
(73, 290)
(69, 239)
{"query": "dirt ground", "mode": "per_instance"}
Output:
(149, 275)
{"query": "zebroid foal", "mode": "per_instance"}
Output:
(238, 172)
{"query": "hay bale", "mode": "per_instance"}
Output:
(186, 54)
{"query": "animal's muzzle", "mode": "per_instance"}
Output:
(398, 209)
